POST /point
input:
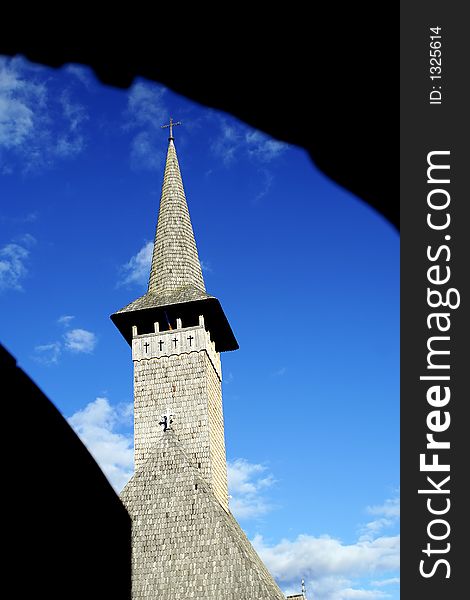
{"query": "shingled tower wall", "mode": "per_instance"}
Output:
(186, 543)
(178, 373)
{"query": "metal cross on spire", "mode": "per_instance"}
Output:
(171, 124)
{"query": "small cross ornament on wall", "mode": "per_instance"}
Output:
(166, 421)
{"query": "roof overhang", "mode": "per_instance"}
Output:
(210, 308)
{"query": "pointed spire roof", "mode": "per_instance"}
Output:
(176, 286)
(175, 261)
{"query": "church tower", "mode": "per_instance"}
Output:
(186, 543)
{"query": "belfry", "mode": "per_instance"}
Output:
(185, 541)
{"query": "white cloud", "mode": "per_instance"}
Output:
(75, 341)
(388, 514)
(330, 567)
(385, 582)
(206, 266)
(246, 483)
(37, 126)
(267, 182)
(357, 594)
(137, 269)
(18, 100)
(237, 140)
(229, 377)
(48, 354)
(65, 320)
(82, 74)
(145, 114)
(13, 269)
(145, 153)
(97, 426)
(229, 143)
(28, 218)
(327, 556)
(31, 217)
(334, 570)
(80, 340)
(390, 508)
(71, 140)
(335, 588)
(26, 239)
(262, 147)
(145, 105)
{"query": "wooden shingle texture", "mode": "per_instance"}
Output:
(185, 545)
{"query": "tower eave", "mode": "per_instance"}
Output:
(142, 313)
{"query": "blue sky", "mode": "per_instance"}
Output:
(308, 276)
